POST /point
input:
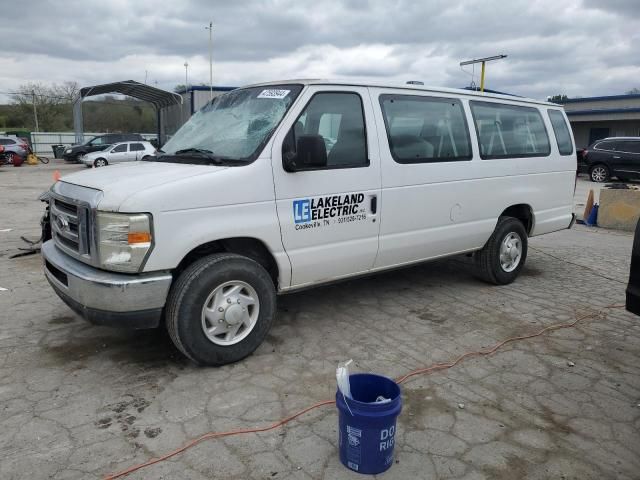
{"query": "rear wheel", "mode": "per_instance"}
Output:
(599, 173)
(220, 309)
(503, 256)
(12, 157)
(146, 158)
(100, 162)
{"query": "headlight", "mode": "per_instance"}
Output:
(68, 150)
(124, 240)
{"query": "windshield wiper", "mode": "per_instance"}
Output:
(199, 156)
(192, 150)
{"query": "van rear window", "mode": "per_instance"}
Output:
(560, 129)
(425, 129)
(509, 131)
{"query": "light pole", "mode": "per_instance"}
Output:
(35, 110)
(210, 28)
(483, 61)
(186, 82)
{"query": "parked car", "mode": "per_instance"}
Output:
(248, 200)
(120, 152)
(73, 153)
(632, 303)
(611, 157)
(14, 148)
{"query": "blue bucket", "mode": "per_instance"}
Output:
(367, 429)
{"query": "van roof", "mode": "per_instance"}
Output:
(408, 86)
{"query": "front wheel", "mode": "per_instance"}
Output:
(599, 174)
(220, 309)
(100, 162)
(501, 259)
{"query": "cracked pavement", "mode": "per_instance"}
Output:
(79, 401)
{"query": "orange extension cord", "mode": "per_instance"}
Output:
(421, 371)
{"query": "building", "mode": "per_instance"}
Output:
(594, 118)
(194, 98)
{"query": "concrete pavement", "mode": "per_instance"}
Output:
(78, 401)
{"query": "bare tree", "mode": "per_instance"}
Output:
(53, 103)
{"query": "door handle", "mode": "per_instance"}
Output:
(616, 158)
(374, 204)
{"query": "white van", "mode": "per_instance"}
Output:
(276, 187)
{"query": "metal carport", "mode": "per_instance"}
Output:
(159, 98)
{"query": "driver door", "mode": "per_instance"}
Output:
(118, 153)
(328, 214)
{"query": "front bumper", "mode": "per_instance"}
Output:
(106, 298)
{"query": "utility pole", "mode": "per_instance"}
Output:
(210, 28)
(35, 110)
(483, 61)
(186, 85)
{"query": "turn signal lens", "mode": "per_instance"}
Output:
(139, 237)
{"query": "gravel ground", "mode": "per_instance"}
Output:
(79, 401)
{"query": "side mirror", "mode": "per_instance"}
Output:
(311, 152)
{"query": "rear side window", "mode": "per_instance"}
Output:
(6, 141)
(508, 131)
(561, 131)
(425, 129)
(609, 145)
(136, 147)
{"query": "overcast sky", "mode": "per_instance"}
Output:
(576, 47)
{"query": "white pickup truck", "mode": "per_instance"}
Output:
(280, 186)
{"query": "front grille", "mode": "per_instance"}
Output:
(70, 227)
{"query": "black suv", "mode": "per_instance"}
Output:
(612, 157)
(71, 154)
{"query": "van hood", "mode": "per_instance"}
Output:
(120, 181)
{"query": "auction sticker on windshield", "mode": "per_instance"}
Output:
(273, 93)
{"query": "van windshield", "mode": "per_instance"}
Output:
(233, 128)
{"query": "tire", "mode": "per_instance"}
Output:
(599, 173)
(100, 162)
(12, 157)
(194, 290)
(491, 268)
(146, 158)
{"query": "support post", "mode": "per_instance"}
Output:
(482, 78)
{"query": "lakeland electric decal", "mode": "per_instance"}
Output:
(324, 211)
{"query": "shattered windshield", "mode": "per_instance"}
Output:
(234, 127)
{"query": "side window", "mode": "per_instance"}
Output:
(629, 146)
(6, 141)
(609, 146)
(98, 141)
(425, 129)
(119, 148)
(337, 117)
(506, 131)
(136, 147)
(561, 131)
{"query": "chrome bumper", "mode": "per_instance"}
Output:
(106, 298)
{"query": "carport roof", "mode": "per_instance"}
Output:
(159, 98)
